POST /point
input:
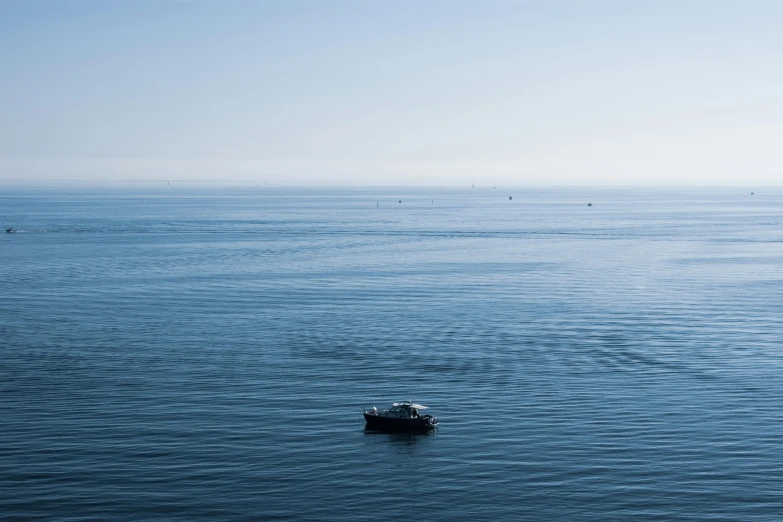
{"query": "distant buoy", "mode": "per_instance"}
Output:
(400, 201)
(752, 193)
(509, 198)
(589, 204)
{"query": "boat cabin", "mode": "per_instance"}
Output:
(404, 410)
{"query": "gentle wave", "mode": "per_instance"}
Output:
(206, 356)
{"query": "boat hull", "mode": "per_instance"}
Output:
(376, 422)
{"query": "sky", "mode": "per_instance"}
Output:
(392, 93)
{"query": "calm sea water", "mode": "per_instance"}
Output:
(204, 354)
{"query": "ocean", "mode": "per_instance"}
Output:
(204, 353)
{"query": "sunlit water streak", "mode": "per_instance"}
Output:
(193, 354)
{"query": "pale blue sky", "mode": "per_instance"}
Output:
(392, 93)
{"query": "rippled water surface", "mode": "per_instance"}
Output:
(171, 353)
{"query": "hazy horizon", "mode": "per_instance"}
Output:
(352, 94)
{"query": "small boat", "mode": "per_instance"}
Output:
(401, 416)
(10, 230)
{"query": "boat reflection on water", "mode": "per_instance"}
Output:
(400, 434)
(398, 437)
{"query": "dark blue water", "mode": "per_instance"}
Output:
(204, 354)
